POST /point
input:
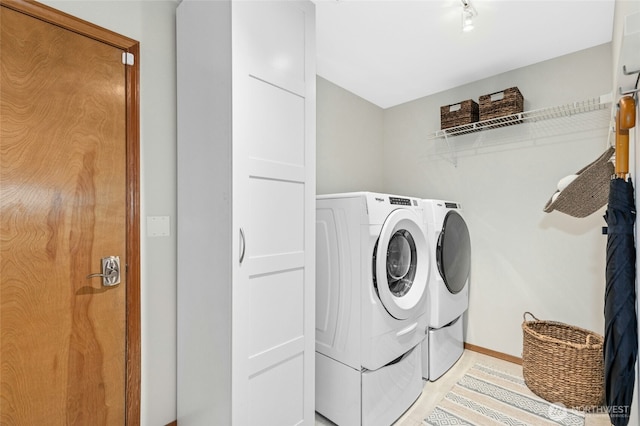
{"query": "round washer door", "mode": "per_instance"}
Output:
(453, 253)
(401, 264)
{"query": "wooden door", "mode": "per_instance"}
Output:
(63, 206)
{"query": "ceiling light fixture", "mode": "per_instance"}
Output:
(468, 13)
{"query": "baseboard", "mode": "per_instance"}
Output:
(492, 353)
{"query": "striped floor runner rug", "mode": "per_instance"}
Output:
(485, 396)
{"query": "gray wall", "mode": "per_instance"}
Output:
(349, 133)
(523, 259)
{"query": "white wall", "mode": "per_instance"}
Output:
(350, 157)
(152, 23)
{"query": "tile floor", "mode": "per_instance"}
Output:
(434, 391)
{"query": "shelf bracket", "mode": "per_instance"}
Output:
(627, 92)
(632, 91)
(452, 155)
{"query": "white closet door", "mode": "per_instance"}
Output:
(273, 199)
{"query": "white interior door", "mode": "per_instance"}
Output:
(274, 204)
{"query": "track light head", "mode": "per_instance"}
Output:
(468, 13)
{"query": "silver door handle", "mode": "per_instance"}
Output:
(110, 271)
(242, 245)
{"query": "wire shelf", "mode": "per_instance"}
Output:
(533, 116)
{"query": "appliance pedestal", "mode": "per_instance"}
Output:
(441, 349)
(379, 397)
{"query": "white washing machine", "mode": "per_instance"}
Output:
(448, 238)
(372, 268)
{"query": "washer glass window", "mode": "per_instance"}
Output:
(401, 263)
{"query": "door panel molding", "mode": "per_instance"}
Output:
(133, 334)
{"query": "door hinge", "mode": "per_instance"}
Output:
(127, 58)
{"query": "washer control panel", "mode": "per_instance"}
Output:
(402, 201)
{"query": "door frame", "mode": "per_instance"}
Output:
(133, 334)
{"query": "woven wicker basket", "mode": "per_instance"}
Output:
(589, 192)
(465, 112)
(562, 363)
(500, 104)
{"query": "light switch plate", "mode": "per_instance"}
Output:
(158, 226)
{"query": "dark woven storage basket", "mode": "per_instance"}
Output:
(452, 116)
(512, 102)
(562, 363)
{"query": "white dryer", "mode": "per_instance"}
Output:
(373, 265)
(448, 237)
